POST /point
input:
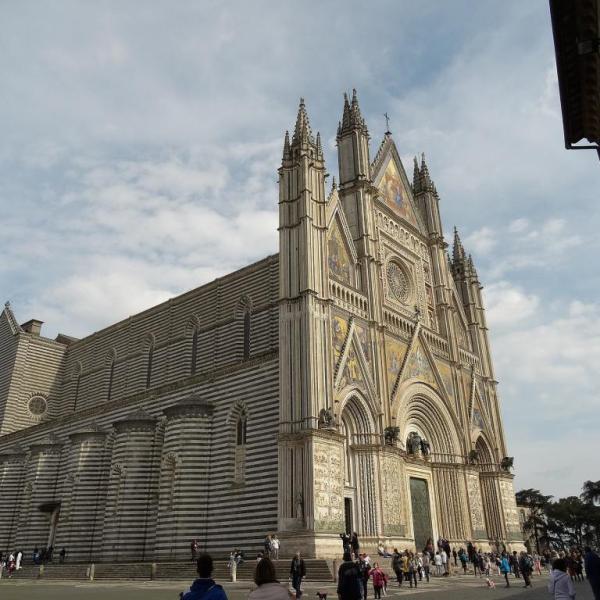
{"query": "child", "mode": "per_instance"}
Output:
(379, 579)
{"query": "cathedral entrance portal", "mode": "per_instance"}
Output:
(348, 515)
(421, 513)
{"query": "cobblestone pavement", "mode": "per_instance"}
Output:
(457, 587)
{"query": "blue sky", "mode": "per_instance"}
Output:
(140, 143)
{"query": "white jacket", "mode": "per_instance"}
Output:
(270, 591)
(561, 586)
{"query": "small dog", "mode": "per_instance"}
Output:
(322, 595)
(490, 583)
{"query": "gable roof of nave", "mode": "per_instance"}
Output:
(388, 152)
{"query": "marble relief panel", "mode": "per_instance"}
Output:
(511, 516)
(392, 488)
(476, 506)
(328, 486)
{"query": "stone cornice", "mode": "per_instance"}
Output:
(140, 397)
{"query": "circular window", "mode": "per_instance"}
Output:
(398, 282)
(37, 406)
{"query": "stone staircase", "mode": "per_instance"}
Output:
(316, 570)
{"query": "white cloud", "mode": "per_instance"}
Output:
(508, 305)
(481, 241)
(518, 225)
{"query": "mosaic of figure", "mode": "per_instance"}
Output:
(395, 195)
(339, 258)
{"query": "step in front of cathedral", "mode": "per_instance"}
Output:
(316, 570)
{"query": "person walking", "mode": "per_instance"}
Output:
(18, 560)
(205, 587)
(592, 570)
(397, 566)
(355, 545)
(514, 563)
(426, 560)
(454, 556)
(297, 573)
(365, 568)
(444, 557)
(526, 568)
(437, 561)
(349, 585)
(462, 556)
(62, 555)
(379, 580)
(561, 586)
(412, 569)
(268, 586)
(505, 568)
(194, 549)
(275, 547)
(267, 547)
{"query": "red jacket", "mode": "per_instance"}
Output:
(379, 577)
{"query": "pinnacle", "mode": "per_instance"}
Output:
(416, 177)
(458, 252)
(352, 118)
(302, 131)
(286, 145)
(319, 146)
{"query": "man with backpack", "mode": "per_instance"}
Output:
(349, 585)
(205, 588)
(526, 568)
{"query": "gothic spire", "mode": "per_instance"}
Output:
(286, 146)
(458, 252)
(302, 131)
(471, 271)
(426, 183)
(319, 146)
(416, 177)
(352, 118)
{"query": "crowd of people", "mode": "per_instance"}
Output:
(13, 561)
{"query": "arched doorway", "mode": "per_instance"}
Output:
(430, 433)
(357, 425)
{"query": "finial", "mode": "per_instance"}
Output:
(333, 184)
(319, 147)
(387, 124)
(352, 118)
(7, 304)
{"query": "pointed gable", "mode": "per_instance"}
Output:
(393, 185)
(419, 367)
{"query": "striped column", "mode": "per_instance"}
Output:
(83, 495)
(12, 473)
(183, 490)
(130, 514)
(41, 495)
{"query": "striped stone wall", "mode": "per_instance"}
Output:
(198, 498)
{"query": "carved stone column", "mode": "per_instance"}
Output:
(184, 487)
(12, 474)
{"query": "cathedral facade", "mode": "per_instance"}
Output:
(344, 384)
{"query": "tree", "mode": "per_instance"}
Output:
(591, 492)
(535, 524)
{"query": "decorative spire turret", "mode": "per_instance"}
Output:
(286, 146)
(352, 118)
(458, 252)
(426, 183)
(416, 177)
(302, 131)
(319, 146)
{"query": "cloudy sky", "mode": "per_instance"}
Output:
(140, 141)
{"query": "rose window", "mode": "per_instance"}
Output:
(37, 406)
(398, 282)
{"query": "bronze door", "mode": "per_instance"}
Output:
(421, 514)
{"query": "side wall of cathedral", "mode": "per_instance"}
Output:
(176, 452)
